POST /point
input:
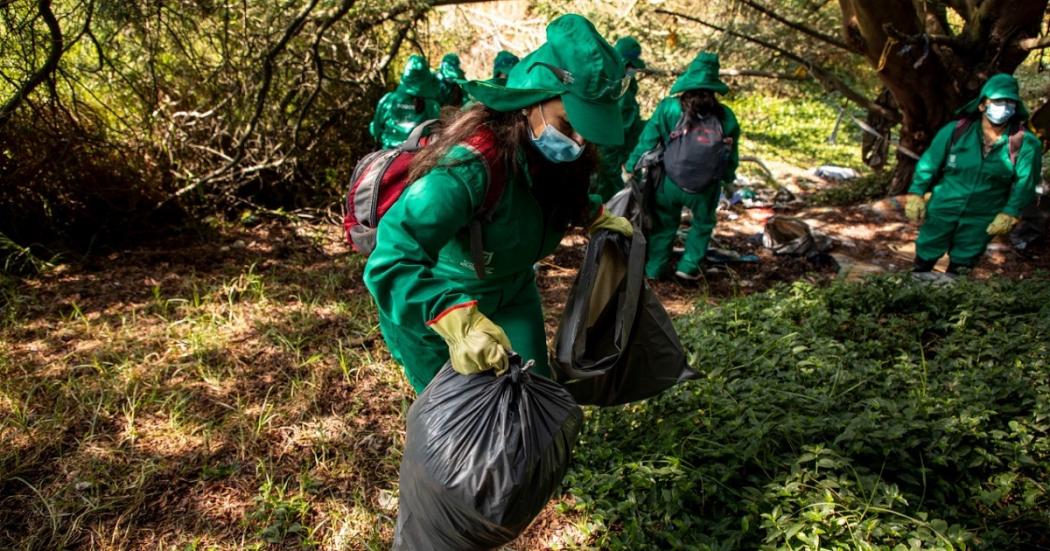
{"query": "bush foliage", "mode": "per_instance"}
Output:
(888, 415)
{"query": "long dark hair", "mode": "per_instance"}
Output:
(701, 103)
(559, 188)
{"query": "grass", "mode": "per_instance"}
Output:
(795, 130)
(205, 403)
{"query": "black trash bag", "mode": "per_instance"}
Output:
(616, 343)
(1032, 230)
(787, 235)
(483, 455)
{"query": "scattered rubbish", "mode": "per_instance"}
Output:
(837, 173)
(726, 256)
(787, 235)
(935, 278)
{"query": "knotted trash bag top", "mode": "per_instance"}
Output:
(788, 235)
(483, 455)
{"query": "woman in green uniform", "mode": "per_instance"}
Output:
(608, 179)
(412, 102)
(692, 94)
(432, 305)
(980, 172)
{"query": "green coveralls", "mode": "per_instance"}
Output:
(422, 265)
(396, 116)
(669, 198)
(607, 180)
(969, 189)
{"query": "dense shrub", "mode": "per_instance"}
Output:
(888, 414)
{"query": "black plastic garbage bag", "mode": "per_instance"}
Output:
(788, 235)
(483, 455)
(616, 343)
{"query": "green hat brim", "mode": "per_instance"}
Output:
(637, 63)
(971, 107)
(598, 123)
(501, 98)
(430, 89)
(684, 84)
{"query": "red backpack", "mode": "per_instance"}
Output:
(381, 177)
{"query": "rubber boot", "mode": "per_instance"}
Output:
(922, 265)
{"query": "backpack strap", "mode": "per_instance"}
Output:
(961, 125)
(411, 143)
(680, 128)
(1015, 141)
(484, 145)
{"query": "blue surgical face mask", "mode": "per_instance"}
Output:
(555, 146)
(999, 113)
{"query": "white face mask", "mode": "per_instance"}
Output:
(998, 113)
(555, 146)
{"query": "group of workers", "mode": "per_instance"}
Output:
(566, 127)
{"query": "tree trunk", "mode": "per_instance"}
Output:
(930, 71)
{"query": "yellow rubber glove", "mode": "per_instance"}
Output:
(475, 344)
(606, 221)
(915, 208)
(1002, 224)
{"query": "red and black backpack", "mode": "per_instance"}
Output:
(380, 178)
(1015, 135)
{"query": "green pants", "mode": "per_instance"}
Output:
(666, 213)
(512, 303)
(964, 238)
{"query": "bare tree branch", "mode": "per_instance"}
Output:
(827, 79)
(826, 38)
(1035, 43)
(45, 71)
(291, 31)
(315, 53)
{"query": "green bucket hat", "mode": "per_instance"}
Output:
(417, 80)
(504, 62)
(702, 74)
(578, 65)
(999, 86)
(450, 69)
(631, 52)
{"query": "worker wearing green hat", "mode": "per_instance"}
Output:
(611, 159)
(501, 66)
(979, 173)
(412, 102)
(433, 306)
(449, 76)
(692, 98)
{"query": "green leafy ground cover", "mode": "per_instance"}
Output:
(881, 415)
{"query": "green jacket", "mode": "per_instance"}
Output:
(396, 116)
(969, 183)
(630, 111)
(422, 264)
(663, 121)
